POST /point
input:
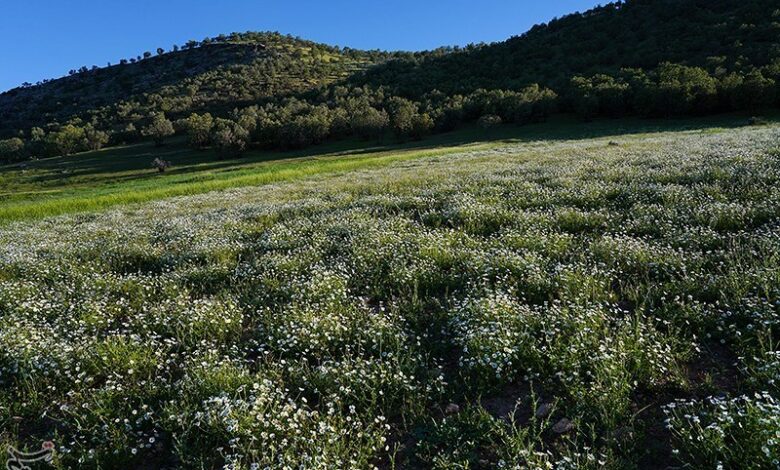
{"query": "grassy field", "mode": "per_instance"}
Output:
(587, 299)
(98, 180)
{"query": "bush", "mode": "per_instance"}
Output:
(489, 121)
(161, 165)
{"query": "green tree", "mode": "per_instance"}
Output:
(159, 129)
(199, 129)
(229, 138)
(12, 149)
(306, 129)
(749, 92)
(599, 95)
(401, 113)
(36, 146)
(95, 139)
(368, 122)
(678, 89)
(67, 140)
(422, 125)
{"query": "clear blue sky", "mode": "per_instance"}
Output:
(46, 38)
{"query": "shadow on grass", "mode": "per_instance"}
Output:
(133, 162)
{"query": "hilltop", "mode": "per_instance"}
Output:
(213, 74)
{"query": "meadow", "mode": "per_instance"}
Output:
(122, 175)
(599, 302)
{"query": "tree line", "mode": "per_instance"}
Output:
(374, 113)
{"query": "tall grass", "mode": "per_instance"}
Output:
(94, 199)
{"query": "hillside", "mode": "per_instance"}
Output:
(719, 35)
(217, 74)
(264, 90)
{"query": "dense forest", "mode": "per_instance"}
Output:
(638, 57)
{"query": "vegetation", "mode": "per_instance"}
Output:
(569, 304)
(159, 129)
(295, 273)
(634, 58)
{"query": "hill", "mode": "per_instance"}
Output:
(216, 74)
(718, 35)
(263, 90)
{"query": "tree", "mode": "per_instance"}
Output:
(147, 54)
(583, 98)
(676, 89)
(159, 129)
(422, 124)
(36, 146)
(199, 129)
(749, 92)
(160, 51)
(67, 140)
(96, 139)
(306, 129)
(11, 149)
(402, 112)
(368, 122)
(229, 138)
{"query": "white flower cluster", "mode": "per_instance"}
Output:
(331, 322)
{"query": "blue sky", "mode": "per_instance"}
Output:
(46, 38)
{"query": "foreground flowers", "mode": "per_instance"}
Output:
(416, 316)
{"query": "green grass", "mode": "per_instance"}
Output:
(413, 314)
(123, 175)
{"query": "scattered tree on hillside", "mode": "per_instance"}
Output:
(402, 114)
(11, 149)
(228, 138)
(96, 139)
(67, 140)
(422, 125)
(749, 92)
(368, 122)
(159, 129)
(199, 129)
